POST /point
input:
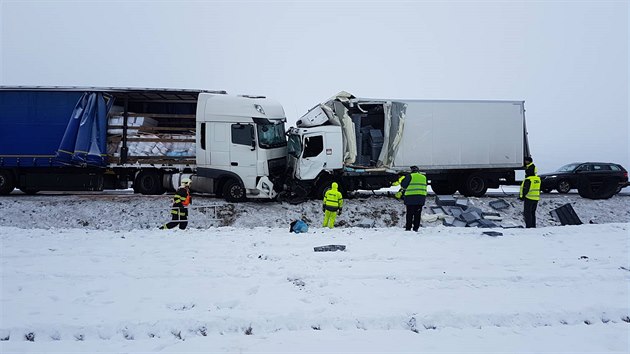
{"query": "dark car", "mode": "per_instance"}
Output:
(569, 176)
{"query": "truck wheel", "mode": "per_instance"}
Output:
(148, 182)
(233, 191)
(474, 186)
(564, 186)
(6, 182)
(321, 188)
(443, 188)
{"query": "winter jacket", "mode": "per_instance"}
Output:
(333, 200)
(182, 197)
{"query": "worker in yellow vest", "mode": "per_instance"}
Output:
(414, 191)
(333, 202)
(530, 193)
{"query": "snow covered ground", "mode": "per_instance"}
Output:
(91, 273)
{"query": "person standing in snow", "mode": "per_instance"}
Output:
(179, 211)
(333, 203)
(530, 193)
(414, 191)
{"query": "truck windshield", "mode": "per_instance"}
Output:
(271, 135)
(295, 145)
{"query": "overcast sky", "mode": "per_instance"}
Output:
(568, 60)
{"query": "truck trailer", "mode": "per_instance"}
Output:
(366, 144)
(90, 139)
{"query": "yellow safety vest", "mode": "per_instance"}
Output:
(534, 188)
(418, 185)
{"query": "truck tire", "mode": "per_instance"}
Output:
(233, 191)
(148, 182)
(6, 182)
(564, 186)
(443, 188)
(474, 186)
(321, 187)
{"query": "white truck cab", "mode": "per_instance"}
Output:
(241, 146)
(312, 150)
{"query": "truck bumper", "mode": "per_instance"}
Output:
(265, 186)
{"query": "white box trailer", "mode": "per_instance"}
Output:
(462, 134)
(462, 145)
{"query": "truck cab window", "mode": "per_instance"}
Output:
(313, 145)
(271, 135)
(242, 134)
(294, 147)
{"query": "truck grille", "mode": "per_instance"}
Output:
(277, 166)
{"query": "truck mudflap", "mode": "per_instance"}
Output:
(265, 186)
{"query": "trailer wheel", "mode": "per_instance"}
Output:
(148, 182)
(233, 191)
(474, 186)
(443, 188)
(6, 182)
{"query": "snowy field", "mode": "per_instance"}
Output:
(91, 273)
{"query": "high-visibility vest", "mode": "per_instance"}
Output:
(534, 188)
(418, 185)
(333, 198)
(178, 198)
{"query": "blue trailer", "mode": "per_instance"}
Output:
(55, 138)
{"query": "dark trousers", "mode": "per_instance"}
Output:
(179, 217)
(413, 217)
(529, 213)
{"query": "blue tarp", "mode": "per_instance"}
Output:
(85, 140)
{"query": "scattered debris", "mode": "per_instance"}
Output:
(499, 204)
(331, 248)
(447, 200)
(566, 215)
(492, 233)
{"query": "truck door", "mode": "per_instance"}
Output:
(243, 153)
(313, 159)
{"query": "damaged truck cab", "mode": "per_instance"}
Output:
(366, 144)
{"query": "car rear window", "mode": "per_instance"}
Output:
(601, 167)
(615, 168)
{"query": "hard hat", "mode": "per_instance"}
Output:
(186, 182)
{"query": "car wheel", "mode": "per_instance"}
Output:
(564, 186)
